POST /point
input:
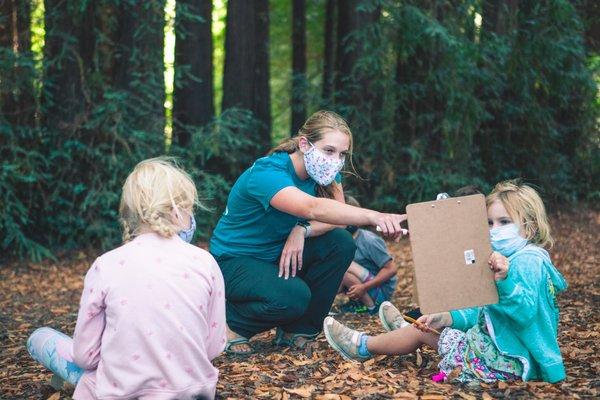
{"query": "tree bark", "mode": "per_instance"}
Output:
(193, 97)
(329, 51)
(299, 83)
(63, 98)
(139, 63)
(345, 56)
(246, 70)
(17, 102)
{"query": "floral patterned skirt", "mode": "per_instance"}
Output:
(475, 357)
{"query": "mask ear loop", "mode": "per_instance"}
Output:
(312, 146)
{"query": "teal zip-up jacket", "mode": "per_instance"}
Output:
(524, 323)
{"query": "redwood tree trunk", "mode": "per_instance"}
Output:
(139, 63)
(17, 102)
(63, 98)
(299, 83)
(246, 70)
(329, 51)
(193, 102)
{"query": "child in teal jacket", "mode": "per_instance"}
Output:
(513, 339)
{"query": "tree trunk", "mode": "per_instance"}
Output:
(589, 13)
(63, 98)
(139, 63)
(246, 70)
(193, 101)
(329, 51)
(499, 16)
(348, 83)
(17, 101)
(262, 91)
(299, 82)
(346, 56)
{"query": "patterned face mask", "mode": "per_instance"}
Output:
(320, 167)
(188, 234)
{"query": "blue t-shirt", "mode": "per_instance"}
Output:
(372, 254)
(250, 226)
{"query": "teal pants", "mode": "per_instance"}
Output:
(258, 299)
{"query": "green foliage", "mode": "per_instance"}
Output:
(435, 102)
(61, 177)
(470, 107)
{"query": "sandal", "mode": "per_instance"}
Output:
(235, 342)
(280, 340)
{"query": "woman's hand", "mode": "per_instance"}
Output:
(291, 256)
(437, 321)
(499, 264)
(389, 224)
(356, 291)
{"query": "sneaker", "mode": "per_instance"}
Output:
(391, 319)
(343, 339)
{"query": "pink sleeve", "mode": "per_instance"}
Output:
(216, 315)
(90, 320)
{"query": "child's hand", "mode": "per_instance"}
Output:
(499, 264)
(437, 321)
(356, 292)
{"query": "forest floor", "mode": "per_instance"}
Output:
(48, 295)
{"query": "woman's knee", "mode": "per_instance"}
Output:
(292, 302)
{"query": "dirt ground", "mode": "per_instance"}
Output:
(47, 294)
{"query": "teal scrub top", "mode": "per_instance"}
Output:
(249, 225)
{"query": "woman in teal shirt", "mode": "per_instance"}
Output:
(280, 242)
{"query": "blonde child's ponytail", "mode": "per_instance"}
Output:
(157, 197)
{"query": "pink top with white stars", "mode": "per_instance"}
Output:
(151, 319)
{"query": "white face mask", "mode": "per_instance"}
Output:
(320, 167)
(506, 239)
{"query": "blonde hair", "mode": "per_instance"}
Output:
(524, 205)
(153, 194)
(317, 125)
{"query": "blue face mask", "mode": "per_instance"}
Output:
(506, 239)
(188, 234)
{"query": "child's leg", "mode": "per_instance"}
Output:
(355, 345)
(401, 341)
(53, 350)
(355, 275)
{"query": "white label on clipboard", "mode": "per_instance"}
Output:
(469, 257)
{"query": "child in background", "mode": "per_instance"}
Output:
(514, 339)
(152, 312)
(371, 278)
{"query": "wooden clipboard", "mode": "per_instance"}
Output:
(451, 247)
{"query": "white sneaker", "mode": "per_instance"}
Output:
(391, 318)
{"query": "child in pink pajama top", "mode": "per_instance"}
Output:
(152, 312)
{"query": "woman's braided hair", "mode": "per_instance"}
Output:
(157, 196)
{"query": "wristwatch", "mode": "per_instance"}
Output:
(306, 226)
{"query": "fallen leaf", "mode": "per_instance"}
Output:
(303, 391)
